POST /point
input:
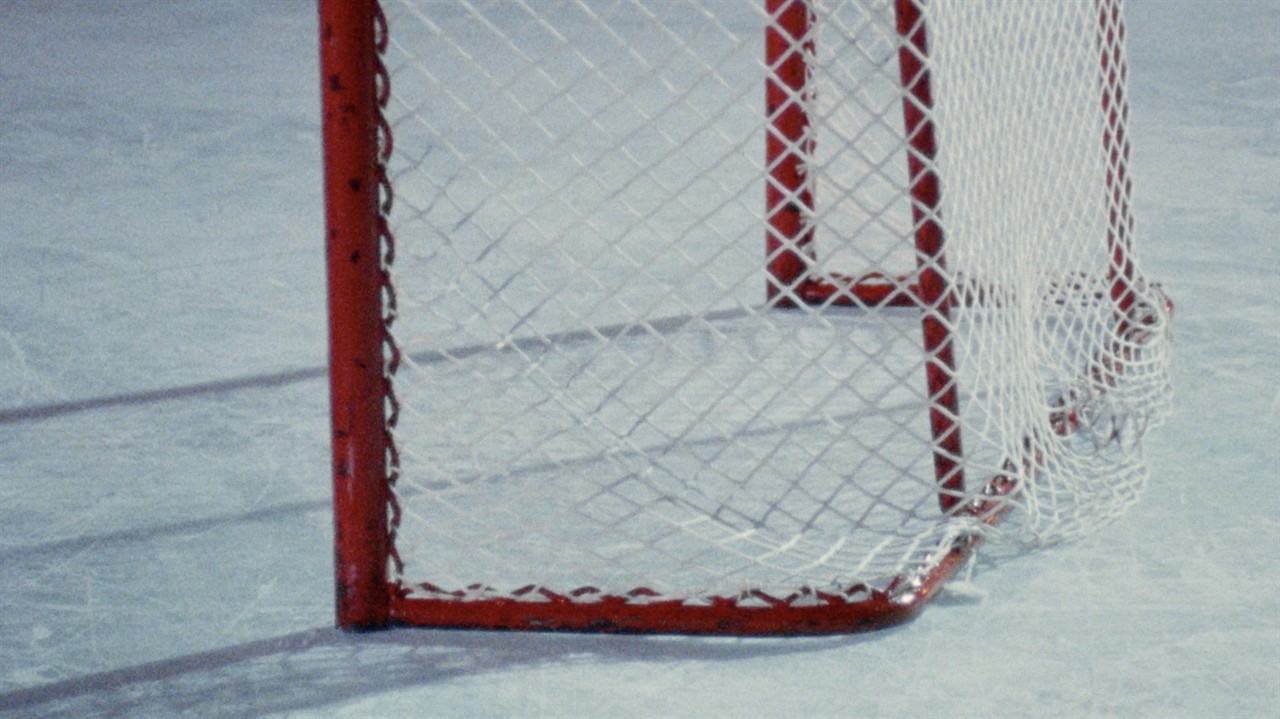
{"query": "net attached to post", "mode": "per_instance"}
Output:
(599, 407)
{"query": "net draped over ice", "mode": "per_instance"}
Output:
(594, 392)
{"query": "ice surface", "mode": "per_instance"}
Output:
(160, 228)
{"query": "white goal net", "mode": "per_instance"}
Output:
(598, 393)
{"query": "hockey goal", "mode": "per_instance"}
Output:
(746, 317)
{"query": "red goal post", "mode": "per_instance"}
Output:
(1120, 349)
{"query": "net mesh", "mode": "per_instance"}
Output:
(594, 392)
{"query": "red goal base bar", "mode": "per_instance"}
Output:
(642, 611)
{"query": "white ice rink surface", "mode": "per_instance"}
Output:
(164, 529)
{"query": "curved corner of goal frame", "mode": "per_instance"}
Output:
(753, 614)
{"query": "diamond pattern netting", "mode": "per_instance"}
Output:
(593, 392)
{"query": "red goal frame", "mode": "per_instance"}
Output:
(362, 356)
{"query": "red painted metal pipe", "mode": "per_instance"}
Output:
(788, 146)
(935, 295)
(360, 493)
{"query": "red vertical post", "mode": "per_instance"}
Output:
(1115, 112)
(348, 64)
(935, 294)
(788, 146)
